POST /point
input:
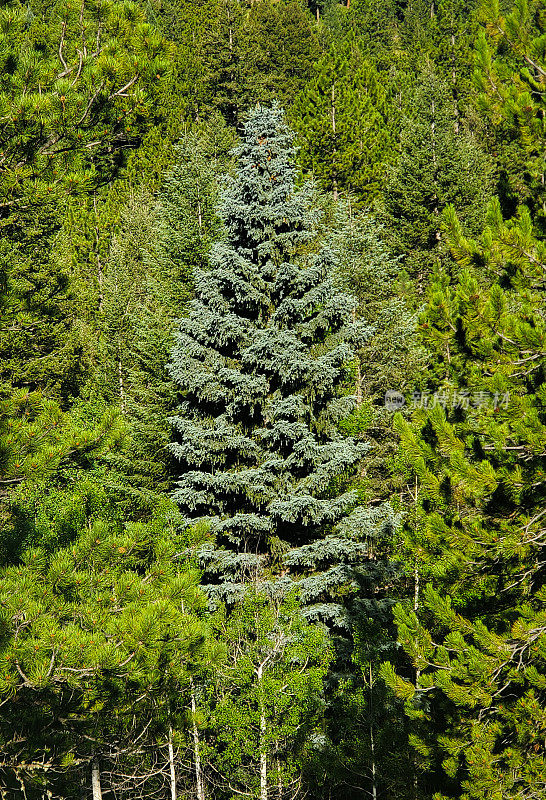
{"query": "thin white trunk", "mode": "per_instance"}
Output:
(121, 385)
(372, 740)
(100, 276)
(417, 581)
(171, 764)
(416, 590)
(436, 210)
(22, 785)
(263, 731)
(95, 779)
(454, 84)
(199, 777)
(359, 379)
(334, 154)
(279, 776)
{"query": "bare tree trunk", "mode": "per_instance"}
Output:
(416, 599)
(454, 82)
(199, 211)
(22, 785)
(263, 752)
(416, 576)
(334, 154)
(358, 383)
(171, 764)
(121, 386)
(372, 740)
(358, 379)
(436, 210)
(95, 779)
(199, 777)
(100, 277)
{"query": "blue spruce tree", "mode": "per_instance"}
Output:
(261, 362)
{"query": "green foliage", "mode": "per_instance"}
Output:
(116, 120)
(73, 87)
(38, 444)
(477, 467)
(341, 119)
(77, 90)
(269, 704)
(510, 58)
(438, 165)
(147, 283)
(95, 637)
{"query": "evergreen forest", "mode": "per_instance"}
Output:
(273, 400)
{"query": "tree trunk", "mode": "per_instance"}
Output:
(334, 153)
(454, 84)
(358, 377)
(199, 211)
(199, 777)
(95, 779)
(416, 579)
(120, 380)
(263, 730)
(416, 590)
(100, 276)
(171, 764)
(22, 785)
(372, 740)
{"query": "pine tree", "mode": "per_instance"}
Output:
(437, 166)
(341, 121)
(279, 47)
(99, 639)
(78, 91)
(475, 457)
(510, 69)
(38, 445)
(148, 280)
(268, 706)
(260, 361)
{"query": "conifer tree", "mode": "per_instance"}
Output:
(38, 443)
(148, 280)
(99, 641)
(279, 47)
(260, 361)
(341, 121)
(475, 459)
(78, 88)
(437, 166)
(510, 70)
(268, 704)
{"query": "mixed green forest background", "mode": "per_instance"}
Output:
(272, 400)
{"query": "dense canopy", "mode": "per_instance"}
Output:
(272, 400)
